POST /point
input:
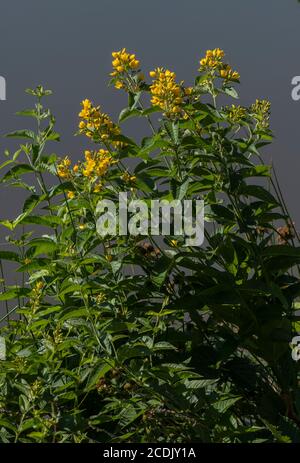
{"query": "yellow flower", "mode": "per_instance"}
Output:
(39, 285)
(216, 53)
(236, 113)
(98, 187)
(86, 108)
(124, 66)
(96, 163)
(98, 125)
(70, 194)
(188, 90)
(228, 74)
(82, 226)
(76, 168)
(63, 168)
(204, 62)
(119, 84)
(134, 64)
(166, 93)
(87, 103)
(100, 298)
(261, 113)
(124, 61)
(212, 60)
(126, 177)
(36, 294)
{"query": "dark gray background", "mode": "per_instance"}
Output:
(66, 46)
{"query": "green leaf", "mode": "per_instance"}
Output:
(17, 170)
(151, 110)
(230, 91)
(54, 136)
(42, 246)
(70, 315)
(128, 352)
(27, 113)
(225, 403)
(29, 205)
(7, 424)
(145, 183)
(161, 270)
(31, 202)
(7, 223)
(9, 255)
(172, 129)
(6, 163)
(126, 113)
(60, 188)
(183, 189)
(13, 293)
(38, 275)
(275, 432)
(52, 221)
(97, 373)
(258, 192)
(70, 288)
(150, 144)
(281, 250)
(29, 134)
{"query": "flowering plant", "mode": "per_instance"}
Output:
(124, 338)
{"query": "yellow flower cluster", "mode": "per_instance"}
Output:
(63, 168)
(36, 294)
(261, 112)
(123, 61)
(166, 93)
(38, 287)
(213, 59)
(126, 72)
(236, 113)
(228, 74)
(96, 124)
(188, 91)
(70, 194)
(213, 62)
(96, 163)
(127, 178)
(98, 187)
